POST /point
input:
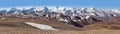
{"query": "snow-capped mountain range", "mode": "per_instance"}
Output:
(40, 11)
(74, 16)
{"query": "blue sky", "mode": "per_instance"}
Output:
(66, 3)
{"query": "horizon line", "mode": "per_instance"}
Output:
(54, 7)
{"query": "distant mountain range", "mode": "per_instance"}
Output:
(40, 11)
(67, 15)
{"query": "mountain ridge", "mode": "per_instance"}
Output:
(78, 17)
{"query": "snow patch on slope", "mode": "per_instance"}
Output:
(41, 26)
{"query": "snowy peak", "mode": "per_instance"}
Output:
(63, 10)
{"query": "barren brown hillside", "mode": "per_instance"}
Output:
(18, 26)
